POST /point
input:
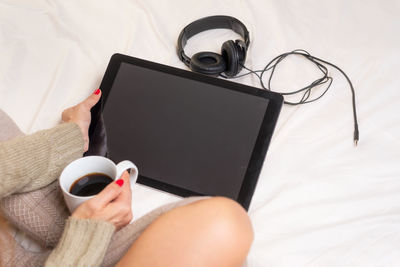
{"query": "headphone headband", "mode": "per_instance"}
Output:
(210, 23)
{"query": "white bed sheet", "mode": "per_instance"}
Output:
(319, 201)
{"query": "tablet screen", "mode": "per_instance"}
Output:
(182, 132)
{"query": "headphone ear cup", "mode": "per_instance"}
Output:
(230, 53)
(241, 46)
(208, 63)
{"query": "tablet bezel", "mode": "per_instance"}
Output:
(263, 139)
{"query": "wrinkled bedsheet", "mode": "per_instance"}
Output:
(319, 200)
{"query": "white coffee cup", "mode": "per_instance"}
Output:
(91, 164)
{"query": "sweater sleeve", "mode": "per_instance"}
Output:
(83, 243)
(33, 161)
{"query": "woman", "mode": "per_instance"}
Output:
(207, 232)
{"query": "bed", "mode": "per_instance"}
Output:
(319, 201)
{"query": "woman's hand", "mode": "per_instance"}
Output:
(80, 114)
(113, 204)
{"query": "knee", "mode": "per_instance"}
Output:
(227, 223)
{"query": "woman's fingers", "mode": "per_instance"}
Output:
(111, 192)
(80, 114)
(113, 204)
(124, 200)
(126, 195)
(92, 99)
(126, 177)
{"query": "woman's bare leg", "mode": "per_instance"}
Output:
(211, 232)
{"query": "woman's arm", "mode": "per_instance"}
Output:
(30, 162)
(83, 243)
(33, 161)
(89, 230)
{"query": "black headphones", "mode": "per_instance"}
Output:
(233, 53)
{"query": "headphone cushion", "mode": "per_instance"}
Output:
(208, 63)
(230, 53)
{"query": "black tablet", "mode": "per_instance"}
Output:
(189, 134)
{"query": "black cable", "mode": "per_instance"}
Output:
(325, 79)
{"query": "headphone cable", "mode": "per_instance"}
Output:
(325, 79)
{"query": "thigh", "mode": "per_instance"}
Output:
(124, 238)
(215, 232)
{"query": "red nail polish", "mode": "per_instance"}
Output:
(120, 182)
(97, 91)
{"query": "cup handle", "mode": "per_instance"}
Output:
(125, 165)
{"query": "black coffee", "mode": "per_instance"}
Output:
(90, 184)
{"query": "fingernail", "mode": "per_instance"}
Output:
(97, 91)
(120, 182)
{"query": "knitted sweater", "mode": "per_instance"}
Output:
(31, 162)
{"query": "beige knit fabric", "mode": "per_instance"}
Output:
(42, 215)
(29, 163)
(83, 243)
